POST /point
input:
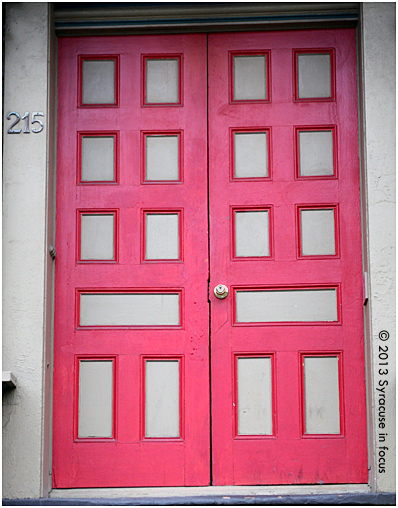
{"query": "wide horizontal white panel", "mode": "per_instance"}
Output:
(129, 309)
(286, 305)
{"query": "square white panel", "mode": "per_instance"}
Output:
(162, 398)
(162, 81)
(252, 233)
(322, 397)
(314, 76)
(97, 236)
(316, 153)
(162, 236)
(317, 233)
(254, 396)
(95, 398)
(250, 77)
(162, 158)
(98, 159)
(251, 155)
(98, 81)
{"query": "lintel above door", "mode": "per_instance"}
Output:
(111, 19)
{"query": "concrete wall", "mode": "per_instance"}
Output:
(28, 229)
(27, 267)
(377, 87)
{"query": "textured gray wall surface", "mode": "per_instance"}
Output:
(26, 263)
(378, 171)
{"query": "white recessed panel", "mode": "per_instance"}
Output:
(131, 309)
(317, 233)
(98, 81)
(322, 405)
(251, 154)
(254, 396)
(162, 236)
(250, 79)
(98, 159)
(162, 160)
(286, 305)
(162, 81)
(314, 76)
(252, 233)
(95, 398)
(162, 398)
(316, 153)
(97, 236)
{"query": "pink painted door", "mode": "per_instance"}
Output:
(131, 309)
(288, 392)
(154, 132)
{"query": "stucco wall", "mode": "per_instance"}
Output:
(377, 84)
(25, 251)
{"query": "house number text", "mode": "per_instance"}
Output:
(25, 118)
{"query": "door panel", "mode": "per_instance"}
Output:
(154, 133)
(131, 309)
(298, 306)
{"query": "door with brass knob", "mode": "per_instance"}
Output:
(208, 175)
(288, 398)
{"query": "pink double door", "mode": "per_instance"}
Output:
(187, 162)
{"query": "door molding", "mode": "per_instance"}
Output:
(108, 19)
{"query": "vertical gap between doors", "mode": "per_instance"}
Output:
(208, 247)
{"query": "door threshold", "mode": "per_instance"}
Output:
(348, 494)
(254, 490)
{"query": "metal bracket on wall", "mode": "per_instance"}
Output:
(365, 288)
(9, 380)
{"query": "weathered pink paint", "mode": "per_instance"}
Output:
(288, 456)
(129, 459)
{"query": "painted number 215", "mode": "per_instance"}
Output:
(26, 117)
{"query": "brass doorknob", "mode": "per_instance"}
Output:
(221, 291)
